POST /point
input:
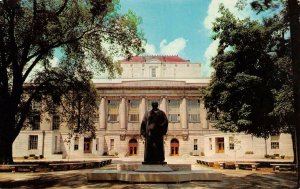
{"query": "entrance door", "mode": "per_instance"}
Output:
(174, 147)
(87, 145)
(220, 145)
(133, 147)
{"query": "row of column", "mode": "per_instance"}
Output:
(142, 110)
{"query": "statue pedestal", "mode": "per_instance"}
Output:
(141, 173)
(153, 168)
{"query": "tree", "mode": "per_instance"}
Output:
(245, 91)
(293, 12)
(85, 32)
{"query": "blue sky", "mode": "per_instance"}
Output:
(182, 27)
(168, 20)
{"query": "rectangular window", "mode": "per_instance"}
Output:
(231, 143)
(195, 144)
(173, 111)
(76, 143)
(113, 110)
(112, 144)
(33, 142)
(36, 120)
(36, 106)
(153, 72)
(275, 142)
(55, 122)
(210, 144)
(133, 110)
(194, 111)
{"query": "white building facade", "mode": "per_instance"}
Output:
(176, 84)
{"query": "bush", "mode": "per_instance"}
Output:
(36, 157)
(116, 153)
(104, 153)
(31, 155)
(25, 157)
(41, 156)
(249, 152)
(267, 156)
(202, 154)
(282, 156)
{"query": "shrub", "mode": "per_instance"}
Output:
(282, 156)
(25, 157)
(41, 156)
(202, 154)
(105, 153)
(116, 153)
(36, 157)
(267, 156)
(31, 155)
(249, 152)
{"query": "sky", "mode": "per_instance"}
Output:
(182, 27)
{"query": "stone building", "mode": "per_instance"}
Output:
(176, 84)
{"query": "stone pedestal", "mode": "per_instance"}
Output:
(153, 168)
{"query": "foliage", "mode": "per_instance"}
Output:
(250, 90)
(86, 33)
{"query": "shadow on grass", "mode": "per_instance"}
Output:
(76, 180)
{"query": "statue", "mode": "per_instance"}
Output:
(153, 128)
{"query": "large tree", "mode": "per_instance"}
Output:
(251, 83)
(85, 32)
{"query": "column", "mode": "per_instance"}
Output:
(102, 114)
(203, 116)
(163, 105)
(122, 114)
(183, 114)
(142, 109)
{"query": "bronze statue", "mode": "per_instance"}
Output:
(153, 128)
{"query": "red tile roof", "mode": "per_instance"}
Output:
(159, 58)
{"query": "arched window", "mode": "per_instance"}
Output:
(133, 144)
(174, 147)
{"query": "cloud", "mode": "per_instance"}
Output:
(172, 48)
(212, 14)
(150, 49)
(210, 52)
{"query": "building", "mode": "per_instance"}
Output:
(178, 87)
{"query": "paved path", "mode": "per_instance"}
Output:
(232, 179)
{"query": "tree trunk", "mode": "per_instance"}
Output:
(293, 10)
(294, 142)
(6, 151)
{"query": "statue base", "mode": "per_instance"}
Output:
(154, 163)
(154, 168)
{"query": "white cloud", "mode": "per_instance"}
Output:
(210, 52)
(172, 48)
(150, 49)
(212, 14)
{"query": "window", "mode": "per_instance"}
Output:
(76, 143)
(36, 106)
(275, 142)
(36, 120)
(55, 122)
(133, 110)
(231, 143)
(194, 110)
(113, 110)
(112, 144)
(210, 144)
(153, 72)
(173, 110)
(195, 144)
(97, 143)
(33, 142)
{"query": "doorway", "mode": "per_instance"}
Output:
(220, 145)
(87, 145)
(174, 147)
(133, 144)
